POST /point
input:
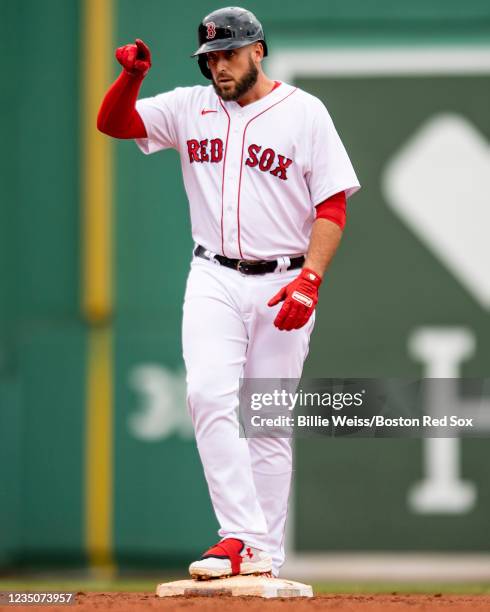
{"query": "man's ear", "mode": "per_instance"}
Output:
(259, 51)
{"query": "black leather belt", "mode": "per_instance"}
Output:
(247, 266)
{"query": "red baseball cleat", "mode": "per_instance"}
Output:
(229, 558)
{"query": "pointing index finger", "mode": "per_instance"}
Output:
(143, 50)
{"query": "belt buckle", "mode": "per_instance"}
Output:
(244, 262)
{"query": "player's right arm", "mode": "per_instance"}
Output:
(118, 116)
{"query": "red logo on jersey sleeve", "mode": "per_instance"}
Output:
(211, 30)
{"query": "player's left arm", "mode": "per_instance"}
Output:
(301, 295)
(324, 242)
(326, 233)
(329, 171)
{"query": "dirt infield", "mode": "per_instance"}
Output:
(142, 602)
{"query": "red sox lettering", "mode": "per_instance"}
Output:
(265, 160)
(205, 150)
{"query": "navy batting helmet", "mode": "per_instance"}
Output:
(224, 29)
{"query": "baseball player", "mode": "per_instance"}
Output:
(267, 178)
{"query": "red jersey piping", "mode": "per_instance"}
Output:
(241, 161)
(223, 178)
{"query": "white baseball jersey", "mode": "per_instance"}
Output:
(254, 174)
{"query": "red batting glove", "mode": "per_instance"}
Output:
(135, 58)
(300, 298)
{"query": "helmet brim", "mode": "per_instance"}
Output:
(224, 45)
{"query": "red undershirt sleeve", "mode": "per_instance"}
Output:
(118, 116)
(333, 209)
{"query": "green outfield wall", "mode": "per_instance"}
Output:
(391, 282)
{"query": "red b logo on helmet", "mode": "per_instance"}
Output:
(211, 33)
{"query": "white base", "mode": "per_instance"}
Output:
(258, 586)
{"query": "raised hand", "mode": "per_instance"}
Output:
(135, 58)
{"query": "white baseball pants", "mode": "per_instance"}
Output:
(228, 333)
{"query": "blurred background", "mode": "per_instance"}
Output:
(98, 466)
